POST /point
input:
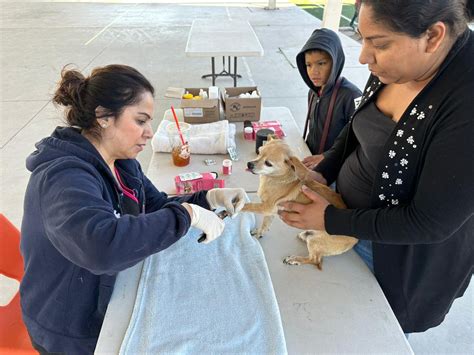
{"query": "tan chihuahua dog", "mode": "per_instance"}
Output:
(281, 177)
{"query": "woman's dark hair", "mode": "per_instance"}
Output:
(112, 87)
(414, 17)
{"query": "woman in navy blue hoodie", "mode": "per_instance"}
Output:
(90, 212)
(404, 164)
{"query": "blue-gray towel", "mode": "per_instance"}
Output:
(207, 299)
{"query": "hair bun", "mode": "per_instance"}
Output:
(70, 88)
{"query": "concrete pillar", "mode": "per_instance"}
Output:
(332, 14)
(271, 5)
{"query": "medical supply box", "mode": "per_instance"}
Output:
(238, 109)
(188, 183)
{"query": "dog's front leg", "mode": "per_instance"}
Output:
(267, 210)
(256, 207)
(264, 227)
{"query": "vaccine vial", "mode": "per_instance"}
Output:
(227, 166)
(248, 133)
(248, 130)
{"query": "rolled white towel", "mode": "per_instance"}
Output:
(207, 138)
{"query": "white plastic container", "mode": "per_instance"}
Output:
(213, 92)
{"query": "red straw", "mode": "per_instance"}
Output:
(177, 125)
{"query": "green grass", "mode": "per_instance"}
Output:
(316, 8)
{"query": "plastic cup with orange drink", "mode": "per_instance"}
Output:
(179, 143)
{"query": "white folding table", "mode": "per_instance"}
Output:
(223, 38)
(341, 309)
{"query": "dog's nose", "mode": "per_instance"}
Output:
(250, 165)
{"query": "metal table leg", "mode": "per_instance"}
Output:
(213, 72)
(225, 71)
(235, 71)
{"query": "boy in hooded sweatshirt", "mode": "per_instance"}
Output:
(320, 63)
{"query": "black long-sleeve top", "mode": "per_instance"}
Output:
(421, 217)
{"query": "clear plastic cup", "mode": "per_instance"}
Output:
(180, 152)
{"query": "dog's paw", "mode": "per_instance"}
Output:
(256, 233)
(291, 260)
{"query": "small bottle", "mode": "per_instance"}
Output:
(248, 130)
(248, 133)
(227, 166)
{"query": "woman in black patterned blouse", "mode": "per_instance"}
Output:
(403, 165)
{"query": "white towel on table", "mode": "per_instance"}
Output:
(207, 138)
(212, 298)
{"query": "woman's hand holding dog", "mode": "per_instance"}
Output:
(310, 216)
(317, 176)
(311, 161)
(232, 199)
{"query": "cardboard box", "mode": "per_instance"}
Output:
(200, 111)
(192, 182)
(237, 109)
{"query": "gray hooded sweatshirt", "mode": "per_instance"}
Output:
(328, 41)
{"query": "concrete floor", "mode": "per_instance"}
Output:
(39, 38)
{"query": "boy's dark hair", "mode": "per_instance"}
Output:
(112, 87)
(414, 17)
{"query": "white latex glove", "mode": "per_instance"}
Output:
(233, 200)
(207, 221)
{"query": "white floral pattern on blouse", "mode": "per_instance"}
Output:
(393, 174)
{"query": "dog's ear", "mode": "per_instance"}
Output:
(271, 137)
(289, 162)
(301, 171)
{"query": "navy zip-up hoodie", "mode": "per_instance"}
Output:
(328, 41)
(75, 238)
